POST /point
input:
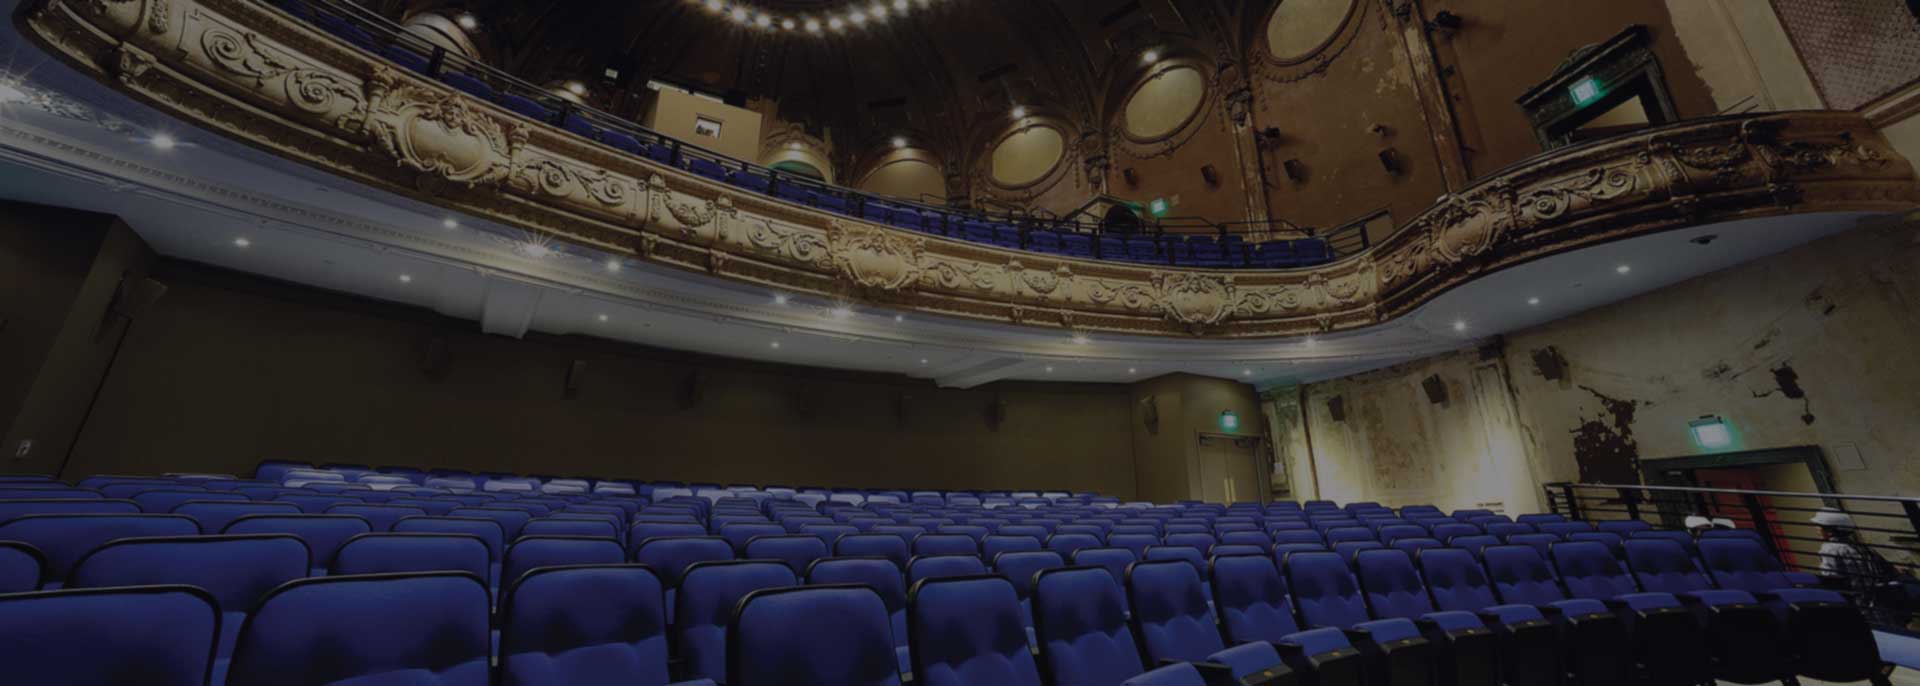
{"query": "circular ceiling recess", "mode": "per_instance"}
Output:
(1299, 28)
(1027, 156)
(1164, 103)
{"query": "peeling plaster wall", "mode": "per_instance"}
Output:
(1397, 447)
(1814, 346)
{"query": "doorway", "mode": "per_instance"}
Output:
(1229, 469)
(1783, 519)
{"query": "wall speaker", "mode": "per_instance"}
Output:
(1131, 177)
(132, 297)
(687, 395)
(1210, 175)
(996, 413)
(1150, 414)
(901, 402)
(576, 374)
(1550, 364)
(1390, 161)
(1337, 408)
(1296, 170)
(1435, 388)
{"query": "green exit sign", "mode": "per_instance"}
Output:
(1229, 421)
(1159, 207)
(1585, 91)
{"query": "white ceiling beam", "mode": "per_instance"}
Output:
(507, 307)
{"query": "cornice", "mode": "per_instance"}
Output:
(254, 74)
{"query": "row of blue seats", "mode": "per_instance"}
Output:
(1190, 250)
(1389, 619)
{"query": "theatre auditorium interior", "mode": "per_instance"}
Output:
(959, 342)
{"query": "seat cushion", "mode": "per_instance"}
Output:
(1514, 614)
(1454, 620)
(1581, 606)
(1385, 630)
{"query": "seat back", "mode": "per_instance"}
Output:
(1251, 599)
(705, 605)
(85, 637)
(1082, 629)
(63, 539)
(584, 624)
(1543, 543)
(1447, 532)
(877, 573)
(1020, 568)
(1114, 560)
(1067, 543)
(215, 515)
(1391, 584)
(935, 566)
(1611, 540)
(1475, 544)
(1325, 591)
(559, 526)
(21, 567)
(531, 552)
(1175, 552)
(380, 517)
(163, 501)
(1562, 529)
(1741, 564)
(1663, 566)
(1456, 580)
(1589, 570)
(1624, 527)
(871, 545)
(392, 553)
(1136, 543)
(1170, 612)
(323, 534)
(811, 636)
(1505, 531)
(319, 631)
(741, 533)
(487, 530)
(1520, 575)
(671, 556)
(945, 544)
(1680, 538)
(968, 630)
(237, 570)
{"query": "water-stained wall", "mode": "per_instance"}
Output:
(1814, 346)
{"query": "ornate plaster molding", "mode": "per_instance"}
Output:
(248, 71)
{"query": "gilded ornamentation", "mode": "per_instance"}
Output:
(1191, 298)
(548, 182)
(437, 133)
(873, 257)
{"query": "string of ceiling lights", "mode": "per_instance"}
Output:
(855, 15)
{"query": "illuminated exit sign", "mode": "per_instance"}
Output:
(1159, 207)
(1585, 91)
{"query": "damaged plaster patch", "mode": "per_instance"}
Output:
(1786, 382)
(1604, 446)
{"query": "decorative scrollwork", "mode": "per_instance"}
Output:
(1193, 299)
(244, 55)
(435, 132)
(794, 245)
(875, 258)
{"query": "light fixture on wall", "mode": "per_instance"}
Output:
(1710, 432)
(1019, 112)
(1149, 57)
(899, 142)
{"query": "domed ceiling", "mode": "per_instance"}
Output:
(946, 74)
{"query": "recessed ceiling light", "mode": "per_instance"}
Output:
(449, 223)
(836, 24)
(1246, 372)
(923, 360)
(1019, 112)
(241, 242)
(1459, 325)
(1533, 301)
(763, 21)
(787, 24)
(715, 5)
(858, 17)
(163, 141)
(900, 5)
(1081, 339)
(1622, 269)
(535, 250)
(576, 88)
(613, 265)
(1150, 56)
(739, 14)
(841, 312)
(603, 317)
(1133, 370)
(1049, 369)
(467, 21)
(779, 298)
(775, 345)
(10, 92)
(406, 278)
(899, 142)
(878, 11)
(899, 318)
(813, 26)
(1310, 342)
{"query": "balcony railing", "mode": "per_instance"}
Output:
(1887, 527)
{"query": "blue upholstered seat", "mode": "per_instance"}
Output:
(531, 552)
(84, 637)
(968, 630)
(796, 550)
(709, 591)
(594, 625)
(323, 534)
(812, 636)
(63, 539)
(431, 629)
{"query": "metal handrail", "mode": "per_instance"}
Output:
(387, 34)
(1736, 491)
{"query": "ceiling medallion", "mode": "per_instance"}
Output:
(851, 16)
